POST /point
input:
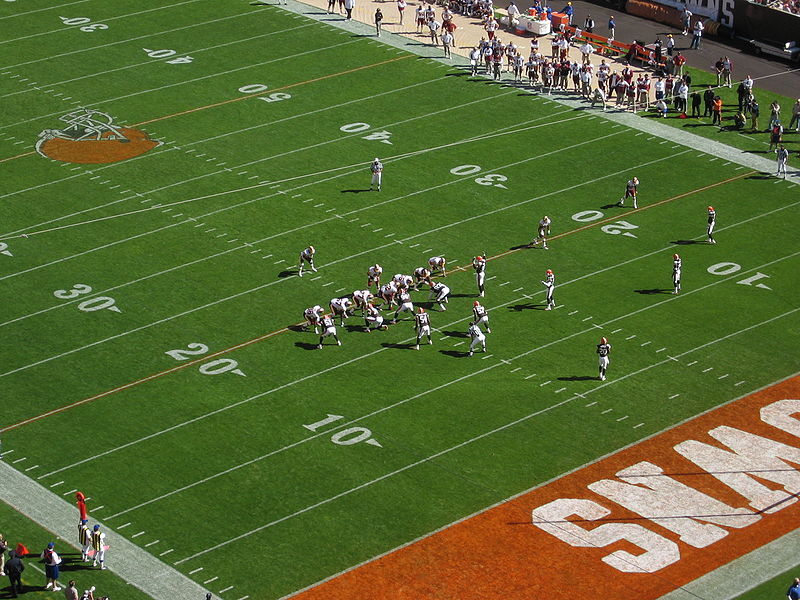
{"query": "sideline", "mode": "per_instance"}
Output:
(127, 560)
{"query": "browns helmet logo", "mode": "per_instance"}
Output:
(91, 137)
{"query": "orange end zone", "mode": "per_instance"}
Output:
(711, 490)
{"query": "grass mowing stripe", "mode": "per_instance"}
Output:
(133, 39)
(227, 72)
(65, 29)
(329, 369)
(469, 441)
(149, 62)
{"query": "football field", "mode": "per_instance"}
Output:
(152, 314)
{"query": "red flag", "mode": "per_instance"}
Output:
(21, 550)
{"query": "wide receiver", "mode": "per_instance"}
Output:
(603, 350)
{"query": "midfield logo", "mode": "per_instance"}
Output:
(90, 137)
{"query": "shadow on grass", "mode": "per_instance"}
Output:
(398, 346)
(454, 353)
(577, 378)
(305, 345)
(455, 334)
(654, 291)
(520, 247)
(297, 328)
(356, 191)
(285, 274)
(686, 242)
(526, 306)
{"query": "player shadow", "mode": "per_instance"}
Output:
(455, 334)
(454, 353)
(614, 205)
(760, 176)
(285, 274)
(462, 295)
(306, 345)
(526, 306)
(355, 191)
(577, 378)
(398, 346)
(297, 328)
(520, 247)
(654, 291)
(686, 242)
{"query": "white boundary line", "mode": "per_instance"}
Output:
(473, 439)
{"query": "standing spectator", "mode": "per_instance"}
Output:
(513, 14)
(754, 113)
(331, 7)
(748, 84)
(586, 52)
(474, 60)
(401, 7)
(588, 24)
(716, 110)
(14, 569)
(776, 135)
(3, 548)
(696, 99)
(697, 34)
(378, 21)
(434, 27)
(612, 27)
(447, 41)
(795, 121)
(742, 93)
(793, 593)
(670, 44)
(727, 70)
(774, 114)
(569, 11)
(682, 97)
(349, 5)
(51, 562)
(718, 71)
(708, 101)
(71, 593)
(657, 45)
(686, 19)
(679, 61)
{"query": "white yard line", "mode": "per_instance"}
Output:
(470, 440)
(28, 12)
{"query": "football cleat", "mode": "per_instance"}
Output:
(91, 137)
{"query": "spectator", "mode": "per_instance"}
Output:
(670, 44)
(774, 114)
(569, 11)
(793, 593)
(697, 35)
(718, 71)
(696, 99)
(349, 5)
(686, 19)
(661, 108)
(51, 561)
(708, 101)
(378, 21)
(682, 97)
(716, 110)
(739, 120)
(14, 569)
(588, 24)
(3, 548)
(71, 592)
(612, 27)
(776, 135)
(754, 113)
(586, 52)
(727, 70)
(742, 93)
(795, 122)
(679, 61)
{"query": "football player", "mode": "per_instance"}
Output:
(405, 281)
(328, 328)
(676, 273)
(405, 303)
(544, 231)
(439, 294)
(360, 300)
(712, 221)
(477, 337)
(603, 350)
(313, 315)
(373, 317)
(479, 264)
(387, 293)
(340, 308)
(481, 316)
(377, 173)
(630, 192)
(307, 256)
(422, 323)
(438, 263)
(421, 275)
(550, 284)
(374, 276)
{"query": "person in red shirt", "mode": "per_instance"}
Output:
(716, 111)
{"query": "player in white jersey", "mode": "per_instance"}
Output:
(476, 337)
(712, 221)
(374, 276)
(438, 263)
(630, 192)
(783, 157)
(313, 316)
(405, 304)
(422, 323)
(373, 318)
(421, 275)
(377, 174)
(307, 256)
(387, 293)
(550, 284)
(603, 350)
(340, 307)
(405, 281)
(439, 294)
(361, 298)
(481, 317)
(479, 264)
(542, 233)
(676, 273)
(328, 328)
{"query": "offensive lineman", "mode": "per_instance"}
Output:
(360, 300)
(422, 322)
(544, 231)
(439, 294)
(387, 293)
(479, 264)
(374, 276)
(630, 192)
(676, 273)
(549, 283)
(481, 316)
(377, 173)
(340, 308)
(438, 263)
(712, 221)
(421, 275)
(313, 317)
(405, 304)
(307, 256)
(375, 317)
(477, 337)
(603, 349)
(328, 328)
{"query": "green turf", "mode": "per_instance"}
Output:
(260, 181)
(774, 588)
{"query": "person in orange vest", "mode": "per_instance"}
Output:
(81, 499)
(716, 111)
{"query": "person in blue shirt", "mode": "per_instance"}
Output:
(793, 593)
(612, 26)
(568, 10)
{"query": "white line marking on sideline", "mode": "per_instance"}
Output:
(531, 375)
(590, 404)
(138, 534)
(573, 312)
(708, 369)
(207, 581)
(197, 570)
(674, 396)
(608, 410)
(738, 383)
(644, 344)
(694, 362)
(724, 376)
(637, 426)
